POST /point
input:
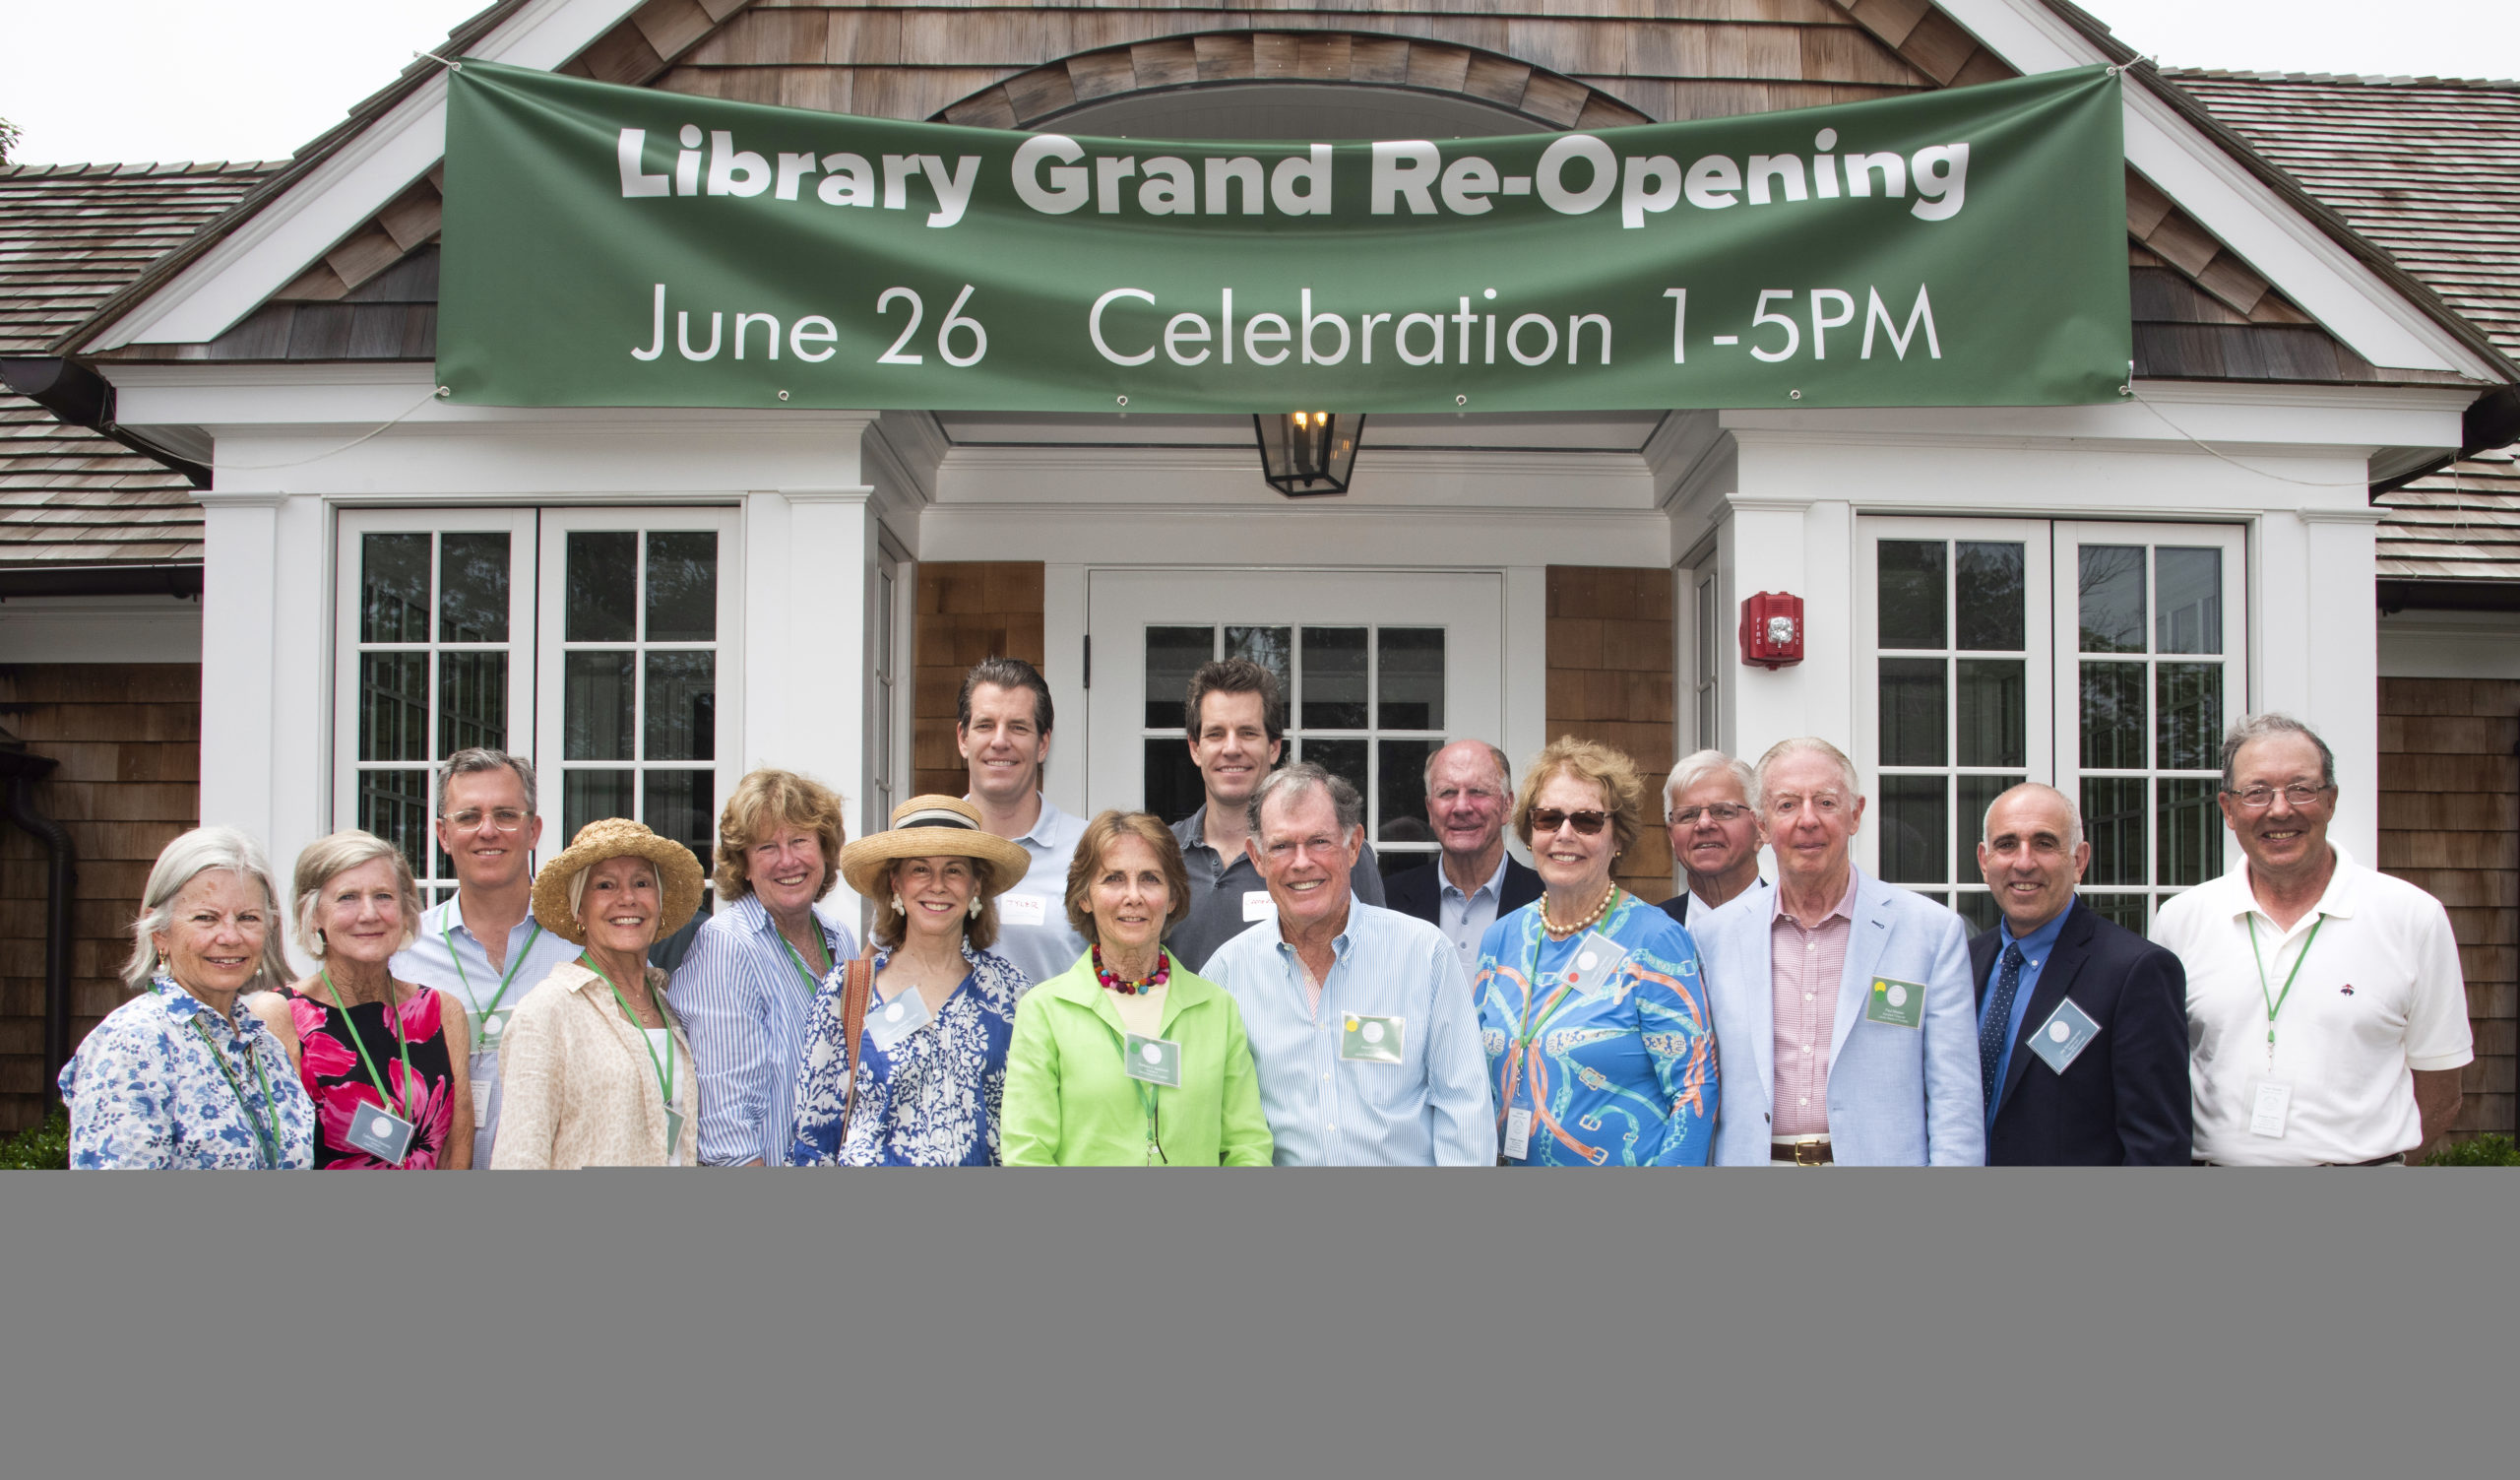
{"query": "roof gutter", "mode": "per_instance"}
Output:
(84, 399)
(2490, 420)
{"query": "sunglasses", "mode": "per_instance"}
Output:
(1586, 824)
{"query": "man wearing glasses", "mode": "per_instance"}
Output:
(1714, 833)
(1469, 786)
(483, 945)
(1843, 1005)
(2327, 1020)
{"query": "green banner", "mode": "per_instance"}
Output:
(621, 246)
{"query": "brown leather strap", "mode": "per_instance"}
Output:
(856, 988)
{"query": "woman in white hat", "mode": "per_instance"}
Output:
(923, 1082)
(594, 1071)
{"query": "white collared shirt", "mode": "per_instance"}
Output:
(1465, 918)
(2379, 997)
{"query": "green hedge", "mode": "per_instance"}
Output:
(2484, 1151)
(45, 1146)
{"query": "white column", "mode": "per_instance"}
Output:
(2341, 662)
(1064, 625)
(240, 557)
(810, 630)
(1798, 545)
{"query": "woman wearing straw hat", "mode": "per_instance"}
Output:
(594, 1071)
(920, 1084)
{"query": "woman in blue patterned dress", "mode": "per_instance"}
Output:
(1601, 1047)
(930, 1068)
(177, 1076)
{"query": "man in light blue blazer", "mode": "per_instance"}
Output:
(1844, 1016)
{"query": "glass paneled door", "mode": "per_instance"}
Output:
(1379, 668)
(644, 609)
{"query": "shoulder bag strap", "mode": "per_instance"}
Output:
(857, 988)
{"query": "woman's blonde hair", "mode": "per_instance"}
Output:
(891, 925)
(761, 801)
(1622, 791)
(198, 851)
(1091, 849)
(328, 859)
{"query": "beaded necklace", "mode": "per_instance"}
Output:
(1560, 931)
(1161, 974)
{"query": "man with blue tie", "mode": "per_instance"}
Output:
(2082, 1024)
(1842, 1004)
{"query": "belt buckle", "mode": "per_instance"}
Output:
(1807, 1153)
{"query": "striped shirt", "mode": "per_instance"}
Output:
(1806, 967)
(743, 1002)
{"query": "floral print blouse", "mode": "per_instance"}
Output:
(165, 1081)
(336, 1080)
(932, 1099)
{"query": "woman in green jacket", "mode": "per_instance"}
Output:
(1126, 1058)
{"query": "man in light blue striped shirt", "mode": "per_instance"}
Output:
(1361, 1018)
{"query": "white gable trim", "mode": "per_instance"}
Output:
(2346, 297)
(284, 237)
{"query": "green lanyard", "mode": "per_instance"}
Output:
(1547, 1013)
(266, 1125)
(1146, 1092)
(2275, 1002)
(516, 965)
(805, 973)
(394, 1021)
(665, 1070)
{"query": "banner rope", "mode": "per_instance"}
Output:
(2300, 483)
(363, 437)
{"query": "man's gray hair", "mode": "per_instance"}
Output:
(1504, 766)
(2258, 727)
(193, 854)
(1693, 769)
(482, 758)
(1800, 745)
(2073, 814)
(1301, 777)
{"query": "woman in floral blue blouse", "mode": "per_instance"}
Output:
(932, 1059)
(177, 1076)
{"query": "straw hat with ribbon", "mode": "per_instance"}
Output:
(612, 838)
(931, 828)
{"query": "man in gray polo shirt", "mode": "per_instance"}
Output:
(1236, 730)
(1002, 727)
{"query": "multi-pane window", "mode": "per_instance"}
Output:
(2154, 685)
(432, 668)
(1954, 722)
(1363, 702)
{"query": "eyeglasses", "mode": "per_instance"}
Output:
(505, 818)
(2258, 799)
(1721, 811)
(1287, 848)
(1586, 824)
(1823, 803)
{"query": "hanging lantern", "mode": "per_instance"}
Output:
(1308, 454)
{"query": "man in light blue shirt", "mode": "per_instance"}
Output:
(1361, 1018)
(484, 946)
(1002, 727)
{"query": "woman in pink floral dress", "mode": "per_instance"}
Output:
(385, 1062)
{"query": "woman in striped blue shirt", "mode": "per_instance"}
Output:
(744, 991)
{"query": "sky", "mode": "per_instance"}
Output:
(128, 81)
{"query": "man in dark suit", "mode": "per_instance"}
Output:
(1469, 787)
(2082, 1024)
(1714, 832)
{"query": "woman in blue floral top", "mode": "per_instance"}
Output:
(177, 1076)
(931, 1059)
(1600, 1049)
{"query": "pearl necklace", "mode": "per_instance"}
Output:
(1562, 931)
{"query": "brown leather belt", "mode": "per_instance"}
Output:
(1802, 1154)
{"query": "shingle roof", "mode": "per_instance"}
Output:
(2430, 170)
(71, 236)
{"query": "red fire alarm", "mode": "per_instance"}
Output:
(1772, 629)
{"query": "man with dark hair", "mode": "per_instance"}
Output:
(1002, 729)
(1237, 731)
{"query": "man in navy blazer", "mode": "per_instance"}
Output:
(1473, 883)
(1842, 1006)
(2082, 1024)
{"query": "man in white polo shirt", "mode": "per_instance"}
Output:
(2327, 1018)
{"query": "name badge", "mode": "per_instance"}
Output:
(674, 1136)
(1371, 1040)
(890, 1022)
(486, 1028)
(1595, 964)
(481, 1101)
(1901, 1005)
(381, 1133)
(2063, 1036)
(2272, 1108)
(1258, 906)
(1023, 909)
(1156, 1061)
(1518, 1134)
